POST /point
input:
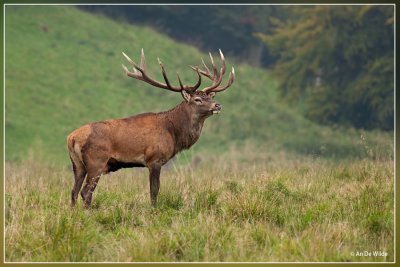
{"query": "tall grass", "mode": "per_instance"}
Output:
(283, 210)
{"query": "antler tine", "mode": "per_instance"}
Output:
(130, 61)
(213, 85)
(217, 78)
(197, 85)
(202, 72)
(163, 72)
(131, 74)
(223, 63)
(230, 81)
(213, 65)
(135, 74)
(143, 61)
(208, 72)
(140, 73)
(180, 82)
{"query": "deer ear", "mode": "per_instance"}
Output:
(185, 95)
(212, 94)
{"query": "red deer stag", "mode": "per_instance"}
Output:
(145, 140)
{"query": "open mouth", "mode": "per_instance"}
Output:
(216, 111)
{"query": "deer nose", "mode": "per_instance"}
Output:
(218, 106)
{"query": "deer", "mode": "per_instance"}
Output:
(144, 140)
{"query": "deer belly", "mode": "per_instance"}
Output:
(115, 164)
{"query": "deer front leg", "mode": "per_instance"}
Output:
(154, 177)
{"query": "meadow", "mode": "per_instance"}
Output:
(262, 184)
(305, 209)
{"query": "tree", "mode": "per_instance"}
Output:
(339, 62)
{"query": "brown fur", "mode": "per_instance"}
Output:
(146, 140)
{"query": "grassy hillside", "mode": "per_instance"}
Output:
(63, 69)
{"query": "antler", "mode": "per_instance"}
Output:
(140, 73)
(216, 77)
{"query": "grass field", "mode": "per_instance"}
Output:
(282, 210)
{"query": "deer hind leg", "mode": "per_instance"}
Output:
(79, 175)
(88, 189)
(94, 171)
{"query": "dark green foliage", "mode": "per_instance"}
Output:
(338, 61)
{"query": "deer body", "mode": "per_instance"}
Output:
(145, 140)
(139, 140)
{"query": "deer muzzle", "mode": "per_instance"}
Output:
(216, 108)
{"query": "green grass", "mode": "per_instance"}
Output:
(63, 70)
(313, 210)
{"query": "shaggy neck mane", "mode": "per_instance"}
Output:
(185, 125)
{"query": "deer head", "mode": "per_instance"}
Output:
(200, 101)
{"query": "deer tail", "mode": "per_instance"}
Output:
(74, 150)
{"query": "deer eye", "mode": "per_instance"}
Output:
(198, 100)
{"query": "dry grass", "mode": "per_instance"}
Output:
(293, 210)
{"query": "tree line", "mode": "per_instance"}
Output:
(339, 60)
